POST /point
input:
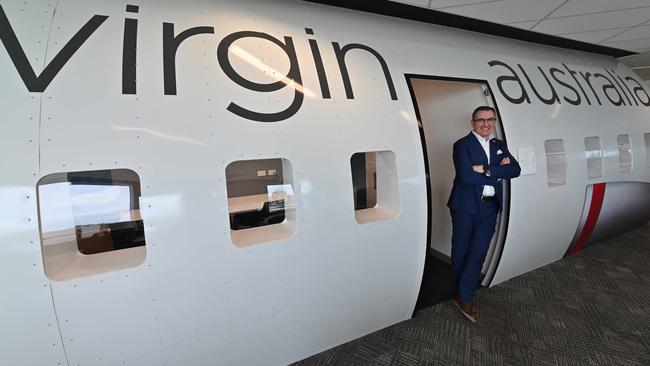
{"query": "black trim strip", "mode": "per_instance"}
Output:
(410, 12)
(507, 201)
(426, 160)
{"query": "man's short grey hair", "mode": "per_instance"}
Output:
(483, 108)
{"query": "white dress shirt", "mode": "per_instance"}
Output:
(485, 143)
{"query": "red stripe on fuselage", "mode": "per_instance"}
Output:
(597, 197)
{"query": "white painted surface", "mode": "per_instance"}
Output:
(197, 298)
(28, 324)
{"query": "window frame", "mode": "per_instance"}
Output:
(626, 147)
(386, 179)
(590, 158)
(271, 232)
(562, 163)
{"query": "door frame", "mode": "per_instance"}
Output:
(501, 229)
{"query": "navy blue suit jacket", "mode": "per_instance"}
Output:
(468, 184)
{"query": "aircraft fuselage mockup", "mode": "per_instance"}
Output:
(250, 183)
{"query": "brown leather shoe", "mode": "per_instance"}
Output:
(465, 308)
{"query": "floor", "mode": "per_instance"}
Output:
(592, 308)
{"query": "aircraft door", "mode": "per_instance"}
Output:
(444, 108)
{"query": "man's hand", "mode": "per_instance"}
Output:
(478, 168)
(505, 161)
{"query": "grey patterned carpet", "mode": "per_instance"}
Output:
(592, 308)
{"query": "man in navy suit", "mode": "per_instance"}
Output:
(481, 162)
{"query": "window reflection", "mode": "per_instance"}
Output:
(66, 205)
(624, 153)
(280, 197)
(97, 211)
(594, 155)
(556, 164)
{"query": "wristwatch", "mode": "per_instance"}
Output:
(486, 170)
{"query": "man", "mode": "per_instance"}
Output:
(481, 162)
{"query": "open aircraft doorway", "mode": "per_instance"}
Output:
(443, 107)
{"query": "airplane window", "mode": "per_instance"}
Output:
(375, 186)
(646, 137)
(261, 201)
(556, 165)
(594, 155)
(624, 153)
(85, 214)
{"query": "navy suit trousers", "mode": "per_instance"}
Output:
(470, 241)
